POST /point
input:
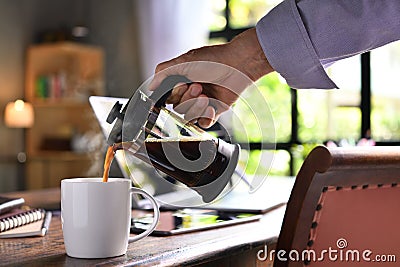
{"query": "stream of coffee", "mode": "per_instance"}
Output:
(107, 162)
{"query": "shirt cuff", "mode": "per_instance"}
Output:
(288, 48)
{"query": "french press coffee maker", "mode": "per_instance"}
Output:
(180, 149)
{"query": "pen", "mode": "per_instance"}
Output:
(46, 223)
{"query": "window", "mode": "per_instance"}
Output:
(365, 106)
(332, 114)
(385, 101)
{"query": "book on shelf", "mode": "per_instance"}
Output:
(51, 86)
(24, 223)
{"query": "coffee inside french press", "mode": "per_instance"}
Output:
(178, 148)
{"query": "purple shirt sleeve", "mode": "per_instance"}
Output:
(301, 37)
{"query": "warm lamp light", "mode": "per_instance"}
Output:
(19, 114)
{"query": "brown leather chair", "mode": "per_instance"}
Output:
(344, 210)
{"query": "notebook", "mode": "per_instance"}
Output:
(24, 223)
(236, 197)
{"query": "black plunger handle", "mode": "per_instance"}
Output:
(161, 94)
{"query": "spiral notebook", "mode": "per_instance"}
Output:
(24, 223)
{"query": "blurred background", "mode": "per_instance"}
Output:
(56, 53)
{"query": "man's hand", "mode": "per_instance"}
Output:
(220, 74)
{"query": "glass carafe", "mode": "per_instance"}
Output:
(158, 135)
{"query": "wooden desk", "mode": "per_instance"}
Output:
(229, 246)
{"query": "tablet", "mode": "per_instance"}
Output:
(188, 220)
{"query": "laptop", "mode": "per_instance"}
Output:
(236, 197)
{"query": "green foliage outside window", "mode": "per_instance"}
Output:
(277, 95)
(385, 118)
(218, 20)
(246, 13)
(258, 162)
(323, 115)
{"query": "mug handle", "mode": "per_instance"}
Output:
(155, 218)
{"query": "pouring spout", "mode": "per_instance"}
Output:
(131, 147)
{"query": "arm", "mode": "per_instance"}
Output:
(299, 38)
(220, 86)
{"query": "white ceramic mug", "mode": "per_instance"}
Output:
(96, 216)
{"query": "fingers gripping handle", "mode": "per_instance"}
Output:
(161, 94)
